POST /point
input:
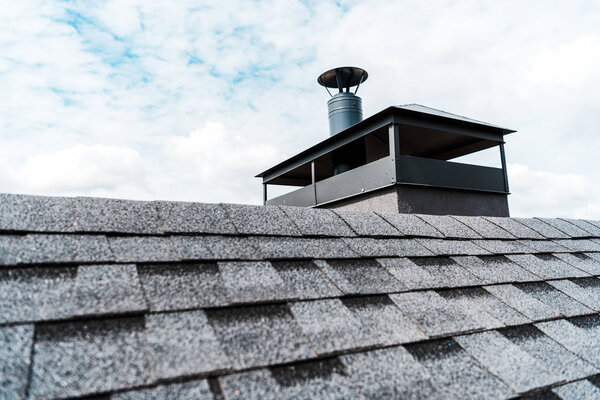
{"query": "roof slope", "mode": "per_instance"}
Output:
(136, 300)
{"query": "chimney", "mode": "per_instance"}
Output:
(397, 160)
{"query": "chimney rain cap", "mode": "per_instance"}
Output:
(343, 77)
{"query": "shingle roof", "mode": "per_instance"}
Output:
(131, 300)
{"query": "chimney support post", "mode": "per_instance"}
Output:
(503, 160)
(264, 194)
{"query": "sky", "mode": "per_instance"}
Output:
(189, 100)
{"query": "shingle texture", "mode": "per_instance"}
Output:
(118, 299)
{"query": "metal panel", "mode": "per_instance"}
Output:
(303, 197)
(368, 177)
(425, 171)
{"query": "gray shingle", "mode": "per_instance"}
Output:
(108, 289)
(584, 290)
(495, 269)
(503, 246)
(46, 249)
(11, 247)
(182, 286)
(143, 249)
(183, 344)
(542, 228)
(554, 298)
(261, 220)
(78, 358)
(280, 247)
(596, 223)
(544, 246)
(484, 227)
(370, 247)
(570, 229)
(391, 373)
(506, 360)
(363, 276)
(587, 226)
(120, 216)
(194, 390)
(183, 217)
(450, 227)
(581, 261)
(562, 363)
(367, 223)
(429, 272)
(260, 335)
(249, 282)
(15, 351)
(475, 309)
(411, 225)
(579, 244)
(36, 294)
(515, 228)
(307, 281)
(595, 256)
(581, 390)
(580, 335)
(546, 266)
(385, 322)
(434, 314)
(522, 302)
(318, 222)
(330, 326)
(455, 373)
(198, 248)
(36, 213)
(324, 379)
(445, 247)
(482, 300)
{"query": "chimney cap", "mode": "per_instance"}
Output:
(348, 77)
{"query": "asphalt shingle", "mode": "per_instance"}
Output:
(579, 244)
(364, 276)
(564, 226)
(36, 294)
(581, 390)
(542, 228)
(199, 248)
(554, 298)
(495, 269)
(546, 266)
(581, 261)
(434, 314)
(503, 246)
(253, 281)
(305, 279)
(182, 217)
(261, 220)
(47, 249)
(325, 379)
(15, 350)
(330, 326)
(587, 226)
(515, 228)
(183, 344)
(475, 309)
(194, 390)
(318, 222)
(385, 322)
(11, 247)
(367, 223)
(287, 247)
(450, 227)
(455, 372)
(370, 247)
(260, 335)
(445, 247)
(562, 363)
(143, 249)
(36, 213)
(182, 286)
(78, 358)
(391, 373)
(584, 290)
(544, 246)
(108, 289)
(522, 302)
(94, 214)
(411, 225)
(484, 227)
(509, 362)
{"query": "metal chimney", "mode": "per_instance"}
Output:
(344, 108)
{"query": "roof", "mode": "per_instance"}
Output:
(131, 300)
